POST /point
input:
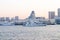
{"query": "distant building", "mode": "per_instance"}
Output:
(7, 19)
(16, 18)
(51, 14)
(32, 15)
(58, 12)
(2, 18)
(12, 19)
(57, 20)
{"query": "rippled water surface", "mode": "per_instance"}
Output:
(50, 32)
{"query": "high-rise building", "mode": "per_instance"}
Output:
(51, 14)
(32, 15)
(58, 12)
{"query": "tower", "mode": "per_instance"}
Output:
(51, 14)
(58, 12)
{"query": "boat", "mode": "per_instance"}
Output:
(35, 23)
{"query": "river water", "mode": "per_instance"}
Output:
(50, 32)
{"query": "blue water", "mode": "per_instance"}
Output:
(50, 32)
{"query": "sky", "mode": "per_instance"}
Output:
(23, 8)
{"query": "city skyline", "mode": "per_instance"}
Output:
(50, 14)
(23, 8)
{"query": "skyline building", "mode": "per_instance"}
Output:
(7, 19)
(16, 17)
(51, 15)
(2, 18)
(58, 12)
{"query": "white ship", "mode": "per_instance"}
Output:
(32, 20)
(36, 23)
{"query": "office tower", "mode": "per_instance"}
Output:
(58, 12)
(51, 14)
(32, 15)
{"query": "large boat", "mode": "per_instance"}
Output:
(35, 23)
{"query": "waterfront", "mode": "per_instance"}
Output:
(50, 32)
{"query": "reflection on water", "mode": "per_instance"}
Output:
(30, 33)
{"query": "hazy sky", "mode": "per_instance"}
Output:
(23, 8)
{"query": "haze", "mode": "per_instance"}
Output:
(23, 8)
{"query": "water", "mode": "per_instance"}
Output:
(51, 32)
